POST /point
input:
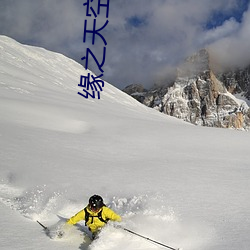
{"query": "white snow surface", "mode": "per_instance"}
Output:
(182, 185)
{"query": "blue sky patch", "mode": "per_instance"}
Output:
(136, 21)
(219, 17)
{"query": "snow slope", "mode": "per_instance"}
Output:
(176, 183)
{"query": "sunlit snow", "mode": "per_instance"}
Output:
(182, 185)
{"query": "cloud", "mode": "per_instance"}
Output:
(228, 28)
(146, 38)
(233, 49)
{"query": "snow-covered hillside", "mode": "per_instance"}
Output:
(179, 184)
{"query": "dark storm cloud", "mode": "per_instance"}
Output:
(146, 38)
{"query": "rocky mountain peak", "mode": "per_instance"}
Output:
(196, 64)
(202, 97)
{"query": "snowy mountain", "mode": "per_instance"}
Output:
(237, 81)
(201, 96)
(182, 185)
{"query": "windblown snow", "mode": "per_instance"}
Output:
(185, 186)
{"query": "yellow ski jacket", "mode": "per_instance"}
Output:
(94, 223)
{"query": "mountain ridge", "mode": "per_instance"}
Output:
(200, 95)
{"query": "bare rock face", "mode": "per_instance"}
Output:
(237, 81)
(200, 97)
(137, 91)
(197, 96)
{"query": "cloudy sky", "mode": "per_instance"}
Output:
(145, 38)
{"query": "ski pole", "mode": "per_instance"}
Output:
(146, 238)
(45, 228)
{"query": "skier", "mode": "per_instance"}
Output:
(95, 214)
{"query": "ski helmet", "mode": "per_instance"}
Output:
(95, 202)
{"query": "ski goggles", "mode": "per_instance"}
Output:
(94, 208)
